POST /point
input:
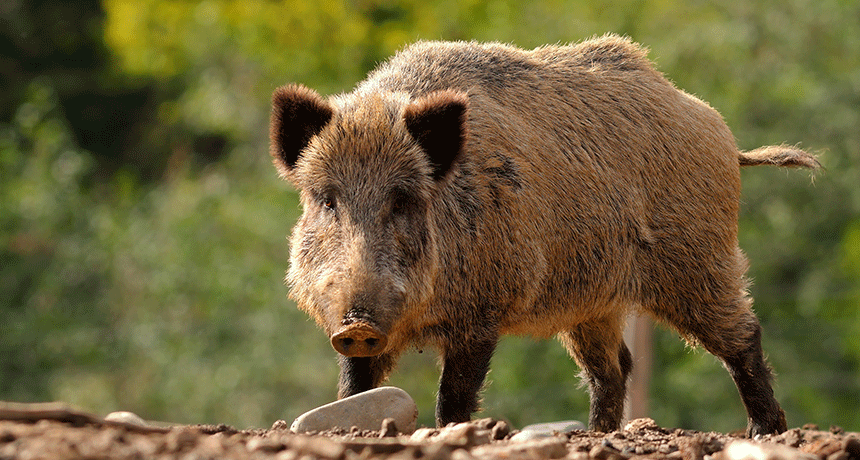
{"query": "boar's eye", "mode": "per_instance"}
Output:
(329, 202)
(400, 201)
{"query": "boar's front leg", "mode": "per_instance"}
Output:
(358, 374)
(464, 368)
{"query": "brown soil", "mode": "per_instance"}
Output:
(39, 433)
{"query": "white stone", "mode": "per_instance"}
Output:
(546, 430)
(747, 450)
(129, 418)
(366, 411)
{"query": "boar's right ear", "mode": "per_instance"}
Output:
(438, 123)
(298, 113)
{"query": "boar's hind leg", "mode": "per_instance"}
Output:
(464, 368)
(363, 373)
(752, 377)
(733, 334)
(599, 350)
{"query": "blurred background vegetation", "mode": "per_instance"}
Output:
(142, 227)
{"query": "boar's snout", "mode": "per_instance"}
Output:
(359, 339)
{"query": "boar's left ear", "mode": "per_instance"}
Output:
(438, 123)
(298, 113)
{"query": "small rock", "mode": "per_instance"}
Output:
(852, 446)
(605, 451)
(747, 450)
(214, 446)
(7, 436)
(485, 423)
(547, 448)
(542, 448)
(423, 434)
(264, 445)
(523, 436)
(126, 417)
(280, 425)
(315, 447)
(822, 447)
(181, 439)
(388, 429)
(667, 448)
(366, 411)
(546, 430)
(461, 454)
(463, 435)
(500, 430)
(435, 451)
(642, 424)
(793, 437)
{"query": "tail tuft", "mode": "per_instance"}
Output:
(779, 155)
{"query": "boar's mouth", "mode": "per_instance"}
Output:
(359, 339)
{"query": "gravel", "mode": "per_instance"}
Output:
(57, 432)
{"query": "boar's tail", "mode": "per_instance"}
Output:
(779, 155)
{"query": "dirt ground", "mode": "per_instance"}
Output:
(56, 432)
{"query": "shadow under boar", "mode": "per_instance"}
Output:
(464, 191)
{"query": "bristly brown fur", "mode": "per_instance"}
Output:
(464, 191)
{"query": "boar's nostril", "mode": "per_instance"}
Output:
(359, 339)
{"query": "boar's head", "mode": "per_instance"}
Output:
(370, 168)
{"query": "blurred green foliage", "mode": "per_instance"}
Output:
(142, 226)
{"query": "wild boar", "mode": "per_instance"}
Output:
(465, 190)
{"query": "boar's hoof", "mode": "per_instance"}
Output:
(359, 339)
